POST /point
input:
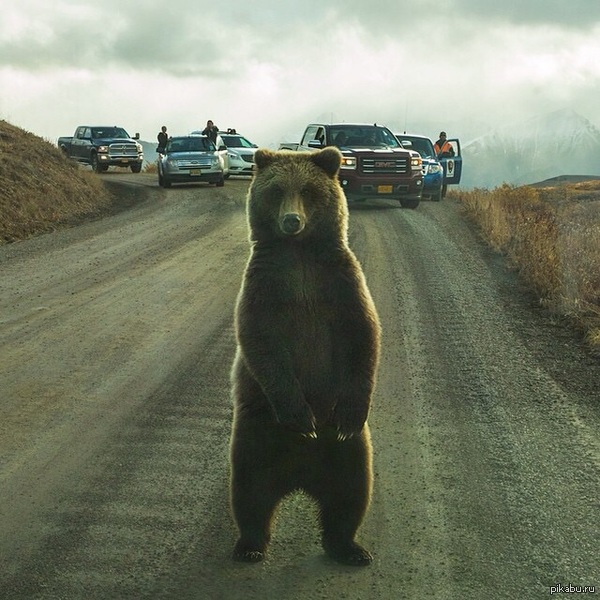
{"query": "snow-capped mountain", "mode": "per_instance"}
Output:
(558, 143)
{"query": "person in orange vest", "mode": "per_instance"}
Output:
(443, 148)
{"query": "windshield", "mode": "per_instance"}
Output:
(366, 136)
(190, 144)
(422, 145)
(236, 141)
(109, 132)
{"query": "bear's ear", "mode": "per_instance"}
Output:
(329, 159)
(263, 158)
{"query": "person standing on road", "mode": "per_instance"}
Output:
(162, 138)
(443, 148)
(211, 131)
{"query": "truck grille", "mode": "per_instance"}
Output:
(384, 166)
(118, 150)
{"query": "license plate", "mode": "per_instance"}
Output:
(385, 189)
(195, 172)
(124, 161)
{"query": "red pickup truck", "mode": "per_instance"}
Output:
(374, 164)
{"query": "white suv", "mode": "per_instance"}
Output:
(240, 152)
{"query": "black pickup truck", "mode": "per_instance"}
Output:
(103, 147)
(374, 164)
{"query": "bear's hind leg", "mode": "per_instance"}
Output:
(344, 497)
(258, 484)
(253, 514)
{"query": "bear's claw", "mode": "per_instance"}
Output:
(249, 556)
(349, 554)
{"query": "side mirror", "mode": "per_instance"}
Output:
(136, 136)
(315, 144)
(223, 147)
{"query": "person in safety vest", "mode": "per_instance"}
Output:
(443, 148)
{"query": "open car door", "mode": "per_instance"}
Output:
(453, 165)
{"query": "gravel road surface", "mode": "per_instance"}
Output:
(116, 338)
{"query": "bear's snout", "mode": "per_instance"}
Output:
(291, 223)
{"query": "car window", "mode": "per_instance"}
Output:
(311, 133)
(422, 145)
(109, 132)
(362, 135)
(236, 141)
(190, 144)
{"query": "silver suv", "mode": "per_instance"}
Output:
(189, 159)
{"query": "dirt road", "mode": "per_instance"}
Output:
(115, 345)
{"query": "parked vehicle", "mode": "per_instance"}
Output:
(374, 165)
(433, 172)
(102, 147)
(240, 152)
(190, 159)
(221, 151)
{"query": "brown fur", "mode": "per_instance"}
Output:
(307, 352)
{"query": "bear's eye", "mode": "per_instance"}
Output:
(276, 191)
(308, 191)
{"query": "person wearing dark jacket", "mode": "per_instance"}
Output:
(211, 131)
(162, 138)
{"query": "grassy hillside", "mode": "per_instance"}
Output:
(40, 189)
(552, 236)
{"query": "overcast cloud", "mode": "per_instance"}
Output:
(267, 67)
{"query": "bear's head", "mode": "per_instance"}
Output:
(297, 195)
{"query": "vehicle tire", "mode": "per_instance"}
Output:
(221, 183)
(161, 181)
(104, 168)
(166, 181)
(437, 196)
(95, 163)
(227, 176)
(409, 202)
(136, 167)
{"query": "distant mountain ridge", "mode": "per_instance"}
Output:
(546, 146)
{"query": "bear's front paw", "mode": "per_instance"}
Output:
(349, 421)
(298, 418)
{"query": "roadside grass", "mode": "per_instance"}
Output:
(552, 236)
(40, 188)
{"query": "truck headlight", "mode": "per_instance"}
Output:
(103, 149)
(416, 163)
(348, 162)
(172, 163)
(216, 161)
(139, 147)
(435, 168)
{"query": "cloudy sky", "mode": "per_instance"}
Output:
(267, 67)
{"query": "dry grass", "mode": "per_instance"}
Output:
(552, 235)
(40, 189)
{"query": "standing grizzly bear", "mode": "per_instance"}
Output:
(307, 353)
